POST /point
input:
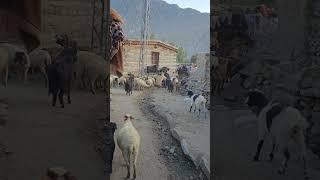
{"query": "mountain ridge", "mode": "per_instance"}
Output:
(185, 27)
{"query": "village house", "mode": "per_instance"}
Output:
(157, 53)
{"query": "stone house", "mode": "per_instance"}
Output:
(157, 53)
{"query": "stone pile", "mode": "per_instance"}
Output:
(199, 80)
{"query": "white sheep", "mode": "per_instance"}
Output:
(140, 84)
(159, 79)
(175, 83)
(113, 80)
(283, 124)
(4, 65)
(150, 81)
(40, 59)
(13, 52)
(121, 81)
(91, 67)
(97, 71)
(128, 140)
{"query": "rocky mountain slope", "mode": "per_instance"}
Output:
(187, 28)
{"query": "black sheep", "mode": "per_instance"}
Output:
(128, 85)
(60, 75)
(170, 85)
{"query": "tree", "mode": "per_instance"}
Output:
(152, 36)
(193, 59)
(181, 55)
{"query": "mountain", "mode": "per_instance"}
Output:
(187, 27)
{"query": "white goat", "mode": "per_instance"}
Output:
(283, 124)
(128, 140)
(198, 102)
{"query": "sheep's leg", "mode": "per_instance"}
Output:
(284, 166)
(54, 98)
(191, 107)
(68, 93)
(92, 87)
(128, 163)
(271, 155)
(83, 82)
(25, 75)
(43, 71)
(6, 76)
(61, 98)
(303, 150)
(135, 164)
(257, 154)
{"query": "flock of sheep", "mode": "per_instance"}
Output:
(88, 70)
(144, 82)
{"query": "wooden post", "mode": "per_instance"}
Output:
(93, 14)
(110, 127)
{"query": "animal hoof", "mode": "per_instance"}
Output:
(280, 171)
(270, 157)
(256, 159)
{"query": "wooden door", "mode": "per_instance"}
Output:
(155, 58)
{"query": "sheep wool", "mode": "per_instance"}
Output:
(128, 140)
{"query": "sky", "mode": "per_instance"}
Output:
(200, 5)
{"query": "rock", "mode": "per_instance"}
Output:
(248, 83)
(172, 150)
(205, 166)
(175, 134)
(305, 83)
(310, 92)
(231, 98)
(184, 147)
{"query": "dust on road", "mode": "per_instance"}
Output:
(160, 155)
(42, 136)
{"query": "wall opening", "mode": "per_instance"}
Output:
(155, 58)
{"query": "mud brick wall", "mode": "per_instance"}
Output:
(73, 17)
(131, 57)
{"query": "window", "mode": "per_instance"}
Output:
(155, 58)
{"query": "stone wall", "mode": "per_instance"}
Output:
(314, 40)
(71, 17)
(131, 57)
(199, 80)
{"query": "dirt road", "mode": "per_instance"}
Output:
(42, 136)
(155, 160)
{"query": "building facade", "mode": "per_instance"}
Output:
(157, 53)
